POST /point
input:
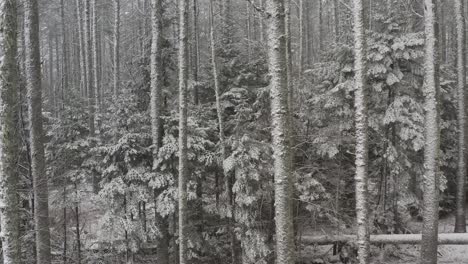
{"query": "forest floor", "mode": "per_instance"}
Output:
(397, 254)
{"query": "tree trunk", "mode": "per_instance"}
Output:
(95, 91)
(301, 38)
(431, 145)
(219, 111)
(460, 221)
(280, 123)
(156, 101)
(360, 103)
(89, 67)
(116, 47)
(336, 21)
(9, 136)
(77, 227)
(33, 84)
(83, 72)
(65, 79)
(195, 52)
(183, 169)
(51, 75)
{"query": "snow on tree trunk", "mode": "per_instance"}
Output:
(9, 136)
(360, 103)
(280, 124)
(460, 221)
(36, 134)
(431, 144)
(183, 169)
(116, 47)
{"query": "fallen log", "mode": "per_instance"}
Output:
(401, 239)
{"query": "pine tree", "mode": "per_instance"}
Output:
(9, 136)
(36, 137)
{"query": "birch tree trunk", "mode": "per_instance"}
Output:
(460, 221)
(360, 103)
(183, 169)
(116, 47)
(33, 84)
(431, 145)
(156, 101)
(9, 136)
(280, 122)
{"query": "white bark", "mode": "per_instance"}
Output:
(360, 103)
(431, 145)
(280, 123)
(183, 169)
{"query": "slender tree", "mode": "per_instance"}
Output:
(431, 144)
(64, 33)
(302, 50)
(36, 132)
(219, 112)
(89, 66)
(195, 52)
(460, 221)
(360, 103)
(94, 31)
(9, 136)
(83, 72)
(156, 101)
(116, 47)
(183, 169)
(277, 50)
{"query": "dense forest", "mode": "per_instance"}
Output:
(233, 131)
